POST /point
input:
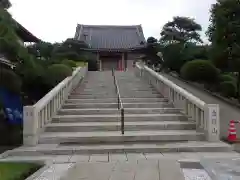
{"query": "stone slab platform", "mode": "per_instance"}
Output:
(79, 149)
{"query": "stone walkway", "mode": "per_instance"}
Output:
(118, 166)
(121, 157)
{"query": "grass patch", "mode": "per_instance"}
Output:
(17, 171)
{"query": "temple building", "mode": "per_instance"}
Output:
(115, 46)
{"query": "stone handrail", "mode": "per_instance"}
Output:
(205, 115)
(37, 116)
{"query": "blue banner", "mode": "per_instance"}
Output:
(12, 106)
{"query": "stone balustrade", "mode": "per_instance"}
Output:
(35, 117)
(205, 115)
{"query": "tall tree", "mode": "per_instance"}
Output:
(224, 34)
(5, 4)
(181, 29)
(151, 50)
(71, 49)
(41, 50)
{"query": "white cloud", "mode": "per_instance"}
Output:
(56, 20)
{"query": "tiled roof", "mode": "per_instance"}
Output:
(111, 37)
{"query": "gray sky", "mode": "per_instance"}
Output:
(56, 20)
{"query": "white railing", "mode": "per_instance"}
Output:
(205, 115)
(37, 116)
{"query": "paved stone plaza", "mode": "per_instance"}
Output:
(128, 166)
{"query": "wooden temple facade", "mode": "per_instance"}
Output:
(114, 46)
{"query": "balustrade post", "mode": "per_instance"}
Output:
(122, 120)
(30, 126)
(212, 121)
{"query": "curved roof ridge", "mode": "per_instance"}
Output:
(111, 36)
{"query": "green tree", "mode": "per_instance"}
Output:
(42, 50)
(181, 29)
(71, 49)
(151, 50)
(5, 4)
(224, 34)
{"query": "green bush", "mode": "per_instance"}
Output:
(56, 73)
(81, 63)
(199, 70)
(10, 80)
(228, 88)
(69, 63)
(226, 77)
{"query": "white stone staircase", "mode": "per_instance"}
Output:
(89, 122)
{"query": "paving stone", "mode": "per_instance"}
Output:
(90, 171)
(55, 172)
(150, 156)
(124, 170)
(80, 158)
(117, 157)
(173, 156)
(190, 155)
(147, 170)
(135, 156)
(198, 174)
(170, 170)
(99, 158)
(62, 159)
(218, 154)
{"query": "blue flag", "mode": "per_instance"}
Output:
(12, 106)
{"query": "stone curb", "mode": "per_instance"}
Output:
(38, 173)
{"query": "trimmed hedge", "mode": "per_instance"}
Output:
(199, 70)
(226, 77)
(228, 88)
(69, 63)
(56, 73)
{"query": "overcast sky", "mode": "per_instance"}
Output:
(56, 20)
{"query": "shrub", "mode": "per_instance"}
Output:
(226, 77)
(56, 73)
(10, 80)
(228, 88)
(69, 63)
(33, 78)
(199, 70)
(81, 63)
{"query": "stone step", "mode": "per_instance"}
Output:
(120, 88)
(148, 105)
(89, 105)
(93, 101)
(116, 111)
(115, 96)
(116, 126)
(117, 137)
(114, 100)
(116, 118)
(96, 89)
(115, 105)
(54, 149)
(113, 93)
(105, 93)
